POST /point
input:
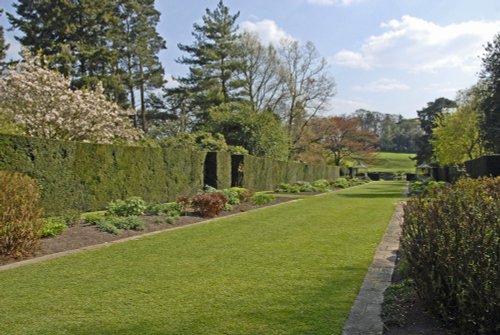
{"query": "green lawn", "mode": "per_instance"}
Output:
(392, 162)
(289, 269)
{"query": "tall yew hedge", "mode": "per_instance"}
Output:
(82, 176)
(85, 177)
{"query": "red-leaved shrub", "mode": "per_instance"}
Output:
(209, 204)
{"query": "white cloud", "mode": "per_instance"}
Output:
(382, 85)
(350, 59)
(417, 45)
(268, 31)
(333, 2)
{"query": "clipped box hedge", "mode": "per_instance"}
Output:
(85, 177)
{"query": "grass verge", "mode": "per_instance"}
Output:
(290, 269)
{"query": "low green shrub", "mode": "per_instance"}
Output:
(108, 227)
(305, 186)
(209, 204)
(94, 218)
(233, 197)
(321, 185)
(130, 206)
(287, 188)
(53, 226)
(169, 209)
(127, 223)
(423, 187)
(243, 193)
(451, 242)
(20, 222)
(262, 198)
(341, 183)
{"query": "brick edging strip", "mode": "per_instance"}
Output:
(364, 318)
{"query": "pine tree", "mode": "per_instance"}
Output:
(213, 61)
(3, 45)
(139, 44)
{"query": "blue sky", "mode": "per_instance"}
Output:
(391, 56)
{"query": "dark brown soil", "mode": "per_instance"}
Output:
(420, 321)
(84, 235)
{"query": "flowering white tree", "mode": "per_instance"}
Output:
(42, 104)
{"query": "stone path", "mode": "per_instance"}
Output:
(365, 318)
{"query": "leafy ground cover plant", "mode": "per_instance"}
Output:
(20, 222)
(130, 206)
(321, 185)
(451, 241)
(233, 198)
(262, 198)
(170, 209)
(243, 193)
(53, 226)
(341, 183)
(112, 224)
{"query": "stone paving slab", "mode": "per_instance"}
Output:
(365, 318)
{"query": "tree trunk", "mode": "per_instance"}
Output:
(141, 89)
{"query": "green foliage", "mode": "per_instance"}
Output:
(112, 42)
(213, 61)
(287, 188)
(456, 136)
(418, 187)
(128, 222)
(170, 209)
(3, 46)
(94, 218)
(233, 197)
(264, 174)
(107, 227)
(450, 240)
(209, 204)
(243, 193)
(321, 185)
(72, 180)
(260, 133)
(20, 222)
(262, 198)
(428, 117)
(490, 105)
(53, 226)
(341, 183)
(130, 206)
